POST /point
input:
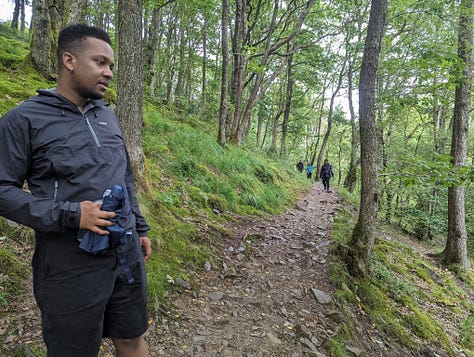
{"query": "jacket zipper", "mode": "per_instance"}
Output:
(56, 188)
(91, 129)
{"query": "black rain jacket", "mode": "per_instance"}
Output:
(326, 172)
(66, 157)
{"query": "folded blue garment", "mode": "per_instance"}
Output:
(114, 200)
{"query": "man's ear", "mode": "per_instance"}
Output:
(68, 61)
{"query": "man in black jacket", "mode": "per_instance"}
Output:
(325, 174)
(69, 148)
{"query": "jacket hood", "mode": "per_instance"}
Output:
(51, 97)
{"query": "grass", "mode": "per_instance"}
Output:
(193, 184)
(18, 79)
(413, 299)
(14, 270)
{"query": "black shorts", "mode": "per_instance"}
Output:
(84, 297)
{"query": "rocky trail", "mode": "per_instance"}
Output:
(268, 295)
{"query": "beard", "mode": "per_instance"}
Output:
(89, 92)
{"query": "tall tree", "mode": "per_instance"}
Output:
(351, 177)
(49, 16)
(225, 75)
(288, 97)
(455, 251)
(330, 115)
(23, 3)
(77, 11)
(16, 15)
(362, 239)
(130, 79)
(41, 39)
(353, 30)
(271, 41)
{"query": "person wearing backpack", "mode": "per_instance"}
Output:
(325, 174)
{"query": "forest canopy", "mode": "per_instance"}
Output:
(284, 77)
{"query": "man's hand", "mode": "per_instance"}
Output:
(145, 243)
(93, 218)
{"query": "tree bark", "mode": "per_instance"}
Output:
(225, 75)
(331, 111)
(455, 252)
(241, 38)
(289, 97)
(154, 43)
(16, 16)
(238, 64)
(77, 12)
(362, 239)
(351, 178)
(179, 89)
(204, 67)
(22, 17)
(41, 39)
(49, 16)
(130, 79)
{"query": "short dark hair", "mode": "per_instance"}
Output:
(71, 37)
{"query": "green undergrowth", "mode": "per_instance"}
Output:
(194, 186)
(410, 297)
(15, 243)
(18, 79)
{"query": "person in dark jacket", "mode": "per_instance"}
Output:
(300, 166)
(325, 174)
(69, 149)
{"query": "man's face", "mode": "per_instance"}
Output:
(93, 66)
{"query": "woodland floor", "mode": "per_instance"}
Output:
(269, 295)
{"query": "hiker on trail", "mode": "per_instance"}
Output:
(300, 166)
(325, 174)
(69, 149)
(309, 171)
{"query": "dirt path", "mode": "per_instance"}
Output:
(269, 295)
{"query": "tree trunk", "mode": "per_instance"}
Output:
(455, 252)
(204, 67)
(16, 15)
(130, 79)
(351, 178)
(275, 124)
(259, 128)
(49, 17)
(241, 119)
(153, 49)
(77, 12)
(314, 147)
(22, 17)
(331, 111)
(238, 64)
(362, 239)
(179, 89)
(225, 75)
(41, 39)
(289, 97)
(170, 58)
